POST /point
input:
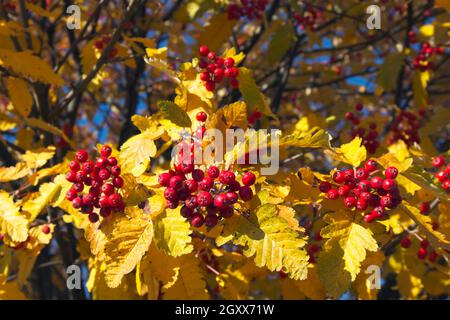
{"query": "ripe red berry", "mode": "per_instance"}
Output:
(74, 166)
(203, 50)
(186, 212)
(93, 217)
(234, 72)
(105, 212)
(228, 73)
(324, 186)
(234, 83)
(191, 185)
(376, 182)
(371, 165)
(206, 184)
(391, 172)
(362, 174)
(204, 199)
(115, 200)
(46, 229)
(71, 194)
(424, 208)
(81, 156)
(211, 220)
(339, 177)
(231, 197)
(104, 174)
(112, 161)
(361, 204)
(80, 176)
(248, 178)
(220, 201)
(170, 194)
(388, 184)
(446, 185)
(226, 212)
(387, 201)
(378, 212)
(369, 217)
(106, 151)
(201, 116)
(406, 242)
(115, 171)
(424, 243)
(71, 176)
(176, 182)
(350, 202)
(442, 176)
(364, 185)
(107, 189)
(246, 193)
(191, 202)
(213, 172)
(197, 220)
(333, 194)
(204, 76)
(198, 175)
(117, 182)
(77, 202)
(228, 62)
(438, 161)
(422, 253)
(226, 177)
(103, 202)
(218, 75)
(211, 56)
(78, 186)
(344, 190)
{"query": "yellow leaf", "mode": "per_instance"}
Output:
(45, 126)
(269, 237)
(190, 284)
(363, 284)
(48, 192)
(38, 157)
(354, 240)
(10, 290)
(21, 98)
(125, 246)
(443, 4)
(235, 114)
(172, 233)
(250, 92)
(174, 113)
(352, 153)
(12, 222)
(313, 138)
(231, 53)
(27, 65)
(217, 32)
(157, 58)
(426, 30)
(136, 152)
(20, 170)
(387, 76)
(280, 43)
(234, 284)
(420, 81)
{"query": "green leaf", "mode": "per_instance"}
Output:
(174, 113)
(250, 92)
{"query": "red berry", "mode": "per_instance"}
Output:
(106, 151)
(78, 186)
(378, 212)
(176, 182)
(438, 161)
(361, 204)
(424, 208)
(391, 172)
(115, 171)
(77, 203)
(339, 177)
(213, 172)
(371, 165)
(71, 176)
(344, 190)
(191, 202)
(46, 229)
(446, 185)
(218, 75)
(115, 200)
(349, 175)
(211, 220)
(186, 212)
(117, 182)
(406, 242)
(220, 201)
(93, 217)
(201, 116)
(204, 76)
(226, 212)
(362, 174)
(424, 243)
(170, 194)
(88, 199)
(204, 199)
(387, 201)
(369, 217)
(105, 212)
(88, 167)
(197, 220)
(103, 202)
(71, 194)
(422, 253)
(104, 174)
(234, 72)
(231, 197)
(359, 106)
(198, 175)
(388, 184)
(228, 73)
(226, 177)
(333, 194)
(248, 178)
(234, 83)
(211, 56)
(324, 186)
(376, 182)
(364, 185)
(112, 161)
(191, 185)
(246, 193)
(206, 184)
(228, 62)
(107, 189)
(80, 176)
(74, 166)
(350, 202)
(203, 50)
(432, 256)
(442, 176)
(81, 156)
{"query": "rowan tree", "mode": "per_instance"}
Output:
(94, 104)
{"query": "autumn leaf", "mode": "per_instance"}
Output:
(12, 222)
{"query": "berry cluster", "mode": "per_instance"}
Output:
(100, 44)
(309, 18)
(424, 249)
(363, 189)
(252, 9)
(216, 68)
(443, 175)
(314, 248)
(369, 138)
(103, 178)
(405, 127)
(205, 196)
(421, 61)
